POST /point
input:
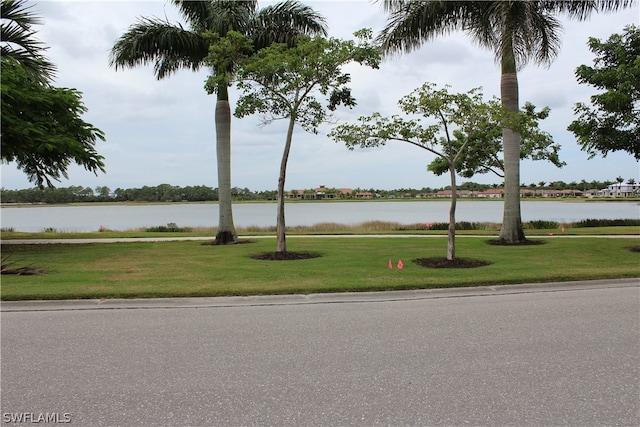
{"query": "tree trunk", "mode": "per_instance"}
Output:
(451, 240)
(226, 230)
(511, 231)
(281, 245)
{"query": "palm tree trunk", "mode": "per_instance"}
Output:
(226, 230)
(451, 240)
(511, 232)
(281, 245)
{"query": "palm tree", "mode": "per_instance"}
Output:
(171, 47)
(620, 181)
(517, 31)
(18, 40)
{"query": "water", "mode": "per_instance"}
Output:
(122, 217)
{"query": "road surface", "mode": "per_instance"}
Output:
(526, 355)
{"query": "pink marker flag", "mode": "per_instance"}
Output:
(390, 263)
(400, 264)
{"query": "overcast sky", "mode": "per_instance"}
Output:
(163, 131)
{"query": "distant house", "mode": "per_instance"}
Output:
(548, 193)
(364, 195)
(592, 192)
(318, 193)
(571, 193)
(620, 190)
(492, 193)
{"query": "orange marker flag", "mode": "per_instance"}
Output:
(400, 264)
(390, 263)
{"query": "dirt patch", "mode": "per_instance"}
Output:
(285, 256)
(634, 248)
(524, 243)
(23, 271)
(445, 263)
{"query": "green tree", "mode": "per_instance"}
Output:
(516, 31)
(612, 122)
(18, 42)
(454, 127)
(535, 145)
(42, 128)
(286, 83)
(171, 47)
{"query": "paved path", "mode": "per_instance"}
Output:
(315, 236)
(526, 355)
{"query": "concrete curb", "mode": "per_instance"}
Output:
(300, 299)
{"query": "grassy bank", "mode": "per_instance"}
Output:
(175, 269)
(532, 228)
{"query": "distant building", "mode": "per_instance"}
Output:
(318, 193)
(620, 190)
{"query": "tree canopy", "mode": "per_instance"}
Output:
(42, 128)
(612, 121)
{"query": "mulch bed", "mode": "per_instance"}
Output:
(525, 243)
(285, 256)
(445, 263)
(239, 242)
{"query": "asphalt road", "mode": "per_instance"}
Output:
(529, 355)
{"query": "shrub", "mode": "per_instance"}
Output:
(172, 227)
(541, 225)
(606, 223)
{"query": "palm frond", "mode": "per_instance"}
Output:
(531, 31)
(412, 23)
(169, 47)
(19, 43)
(582, 9)
(231, 15)
(283, 22)
(195, 13)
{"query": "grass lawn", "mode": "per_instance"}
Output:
(174, 269)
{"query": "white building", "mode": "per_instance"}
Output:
(621, 190)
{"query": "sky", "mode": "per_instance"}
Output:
(162, 132)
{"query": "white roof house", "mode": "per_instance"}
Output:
(621, 190)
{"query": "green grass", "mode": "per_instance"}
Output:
(175, 269)
(370, 227)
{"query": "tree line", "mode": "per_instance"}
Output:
(203, 193)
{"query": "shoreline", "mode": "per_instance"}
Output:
(295, 201)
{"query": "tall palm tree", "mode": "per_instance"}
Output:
(19, 43)
(517, 31)
(171, 47)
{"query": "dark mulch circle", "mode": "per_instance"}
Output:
(239, 242)
(634, 248)
(445, 263)
(285, 256)
(525, 243)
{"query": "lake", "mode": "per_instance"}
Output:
(123, 217)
